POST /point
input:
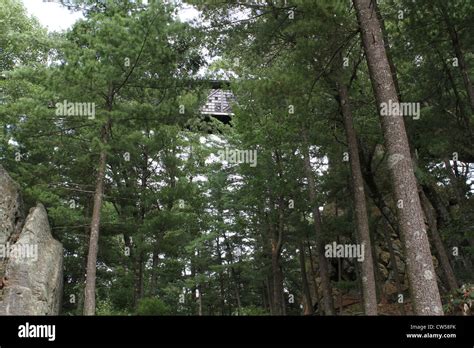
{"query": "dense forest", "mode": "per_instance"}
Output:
(340, 184)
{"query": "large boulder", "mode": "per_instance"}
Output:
(11, 207)
(32, 270)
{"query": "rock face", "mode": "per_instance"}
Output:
(32, 270)
(11, 207)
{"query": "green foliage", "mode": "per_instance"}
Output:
(105, 308)
(175, 219)
(461, 302)
(152, 306)
(251, 311)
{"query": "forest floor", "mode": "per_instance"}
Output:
(352, 306)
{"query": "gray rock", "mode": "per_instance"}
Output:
(397, 244)
(11, 207)
(401, 264)
(383, 271)
(33, 267)
(385, 257)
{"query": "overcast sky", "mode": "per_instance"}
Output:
(56, 17)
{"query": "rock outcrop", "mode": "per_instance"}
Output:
(11, 207)
(31, 260)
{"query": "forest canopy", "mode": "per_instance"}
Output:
(335, 179)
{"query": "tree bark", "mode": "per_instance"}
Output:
(358, 191)
(381, 295)
(421, 273)
(139, 283)
(89, 294)
(374, 191)
(275, 230)
(308, 310)
(277, 285)
(269, 288)
(267, 253)
(277, 278)
(199, 300)
(264, 297)
(313, 277)
(438, 243)
(393, 69)
(443, 216)
(154, 274)
(221, 278)
(455, 181)
(233, 273)
(393, 261)
(465, 116)
(328, 302)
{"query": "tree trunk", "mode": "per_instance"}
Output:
(393, 69)
(237, 296)
(233, 273)
(340, 306)
(267, 253)
(199, 300)
(339, 280)
(389, 222)
(453, 34)
(139, 284)
(142, 255)
(358, 191)
(271, 302)
(221, 278)
(424, 289)
(308, 310)
(443, 217)
(393, 261)
(381, 295)
(462, 110)
(438, 243)
(154, 274)
(374, 191)
(381, 203)
(264, 297)
(89, 294)
(328, 303)
(455, 182)
(313, 277)
(278, 238)
(277, 280)
(442, 213)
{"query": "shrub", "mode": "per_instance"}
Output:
(152, 306)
